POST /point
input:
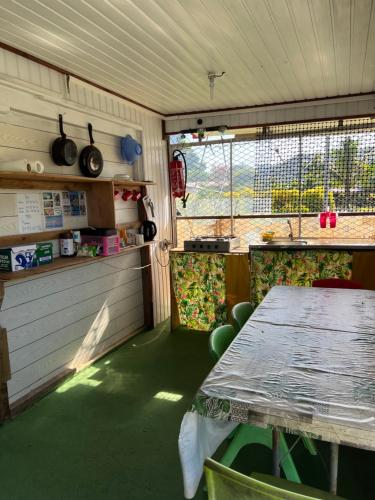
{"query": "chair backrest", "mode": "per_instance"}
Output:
(337, 283)
(241, 313)
(220, 339)
(224, 483)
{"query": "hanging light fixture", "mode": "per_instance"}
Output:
(211, 81)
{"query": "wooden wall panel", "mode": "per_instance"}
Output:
(63, 319)
(364, 269)
(341, 107)
(72, 324)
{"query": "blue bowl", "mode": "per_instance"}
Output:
(131, 150)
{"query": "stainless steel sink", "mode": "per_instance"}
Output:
(288, 242)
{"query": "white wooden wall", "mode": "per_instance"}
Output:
(329, 108)
(65, 318)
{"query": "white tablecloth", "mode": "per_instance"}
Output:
(304, 362)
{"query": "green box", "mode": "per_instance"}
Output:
(44, 253)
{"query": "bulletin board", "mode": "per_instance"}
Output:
(39, 211)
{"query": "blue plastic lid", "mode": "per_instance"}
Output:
(130, 149)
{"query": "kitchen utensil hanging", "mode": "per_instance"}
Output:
(136, 195)
(91, 159)
(127, 195)
(149, 230)
(64, 151)
(131, 150)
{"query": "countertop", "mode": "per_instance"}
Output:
(238, 250)
(314, 244)
(349, 244)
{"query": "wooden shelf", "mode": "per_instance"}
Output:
(80, 179)
(48, 177)
(63, 263)
(129, 183)
(99, 197)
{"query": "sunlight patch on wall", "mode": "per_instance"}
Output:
(93, 337)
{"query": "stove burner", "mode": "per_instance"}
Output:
(211, 244)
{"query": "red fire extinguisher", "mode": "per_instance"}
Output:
(178, 176)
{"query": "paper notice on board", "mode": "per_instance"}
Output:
(52, 209)
(30, 213)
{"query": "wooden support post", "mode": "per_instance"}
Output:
(148, 302)
(4, 367)
(4, 375)
(146, 263)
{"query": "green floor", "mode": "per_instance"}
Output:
(110, 432)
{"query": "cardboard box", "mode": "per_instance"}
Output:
(44, 253)
(18, 258)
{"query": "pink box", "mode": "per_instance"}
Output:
(108, 245)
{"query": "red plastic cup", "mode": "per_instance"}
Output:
(332, 220)
(323, 220)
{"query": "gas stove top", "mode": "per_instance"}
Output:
(211, 244)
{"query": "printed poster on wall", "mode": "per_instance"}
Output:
(52, 208)
(74, 203)
(39, 211)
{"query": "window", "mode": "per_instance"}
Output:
(244, 185)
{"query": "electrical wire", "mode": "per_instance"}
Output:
(166, 252)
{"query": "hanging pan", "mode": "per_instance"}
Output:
(64, 151)
(91, 159)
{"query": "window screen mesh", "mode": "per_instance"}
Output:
(248, 185)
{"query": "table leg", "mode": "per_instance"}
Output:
(334, 468)
(276, 453)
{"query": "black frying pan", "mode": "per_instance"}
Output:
(64, 151)
(91, 159)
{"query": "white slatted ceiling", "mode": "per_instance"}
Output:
(158, 52)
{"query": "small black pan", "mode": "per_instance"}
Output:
(64, 151)
(91, 159)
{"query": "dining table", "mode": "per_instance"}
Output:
(304, 364)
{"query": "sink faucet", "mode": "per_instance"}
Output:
(291, 236)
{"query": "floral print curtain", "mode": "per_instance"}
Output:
(198, 281)
(295, 267)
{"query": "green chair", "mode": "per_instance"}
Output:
(241, 313)
(224, 483)
(245, 434)
(220, 339)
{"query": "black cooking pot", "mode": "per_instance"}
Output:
(91, 159)
(64, 151)
(148, 229)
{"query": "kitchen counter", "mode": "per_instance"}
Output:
(314, 244)
(238, 250)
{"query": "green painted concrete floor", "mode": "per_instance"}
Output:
(110, 432)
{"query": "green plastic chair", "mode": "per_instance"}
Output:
(241, 312)
(220, 339)
(246, 434)
(224, 483)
